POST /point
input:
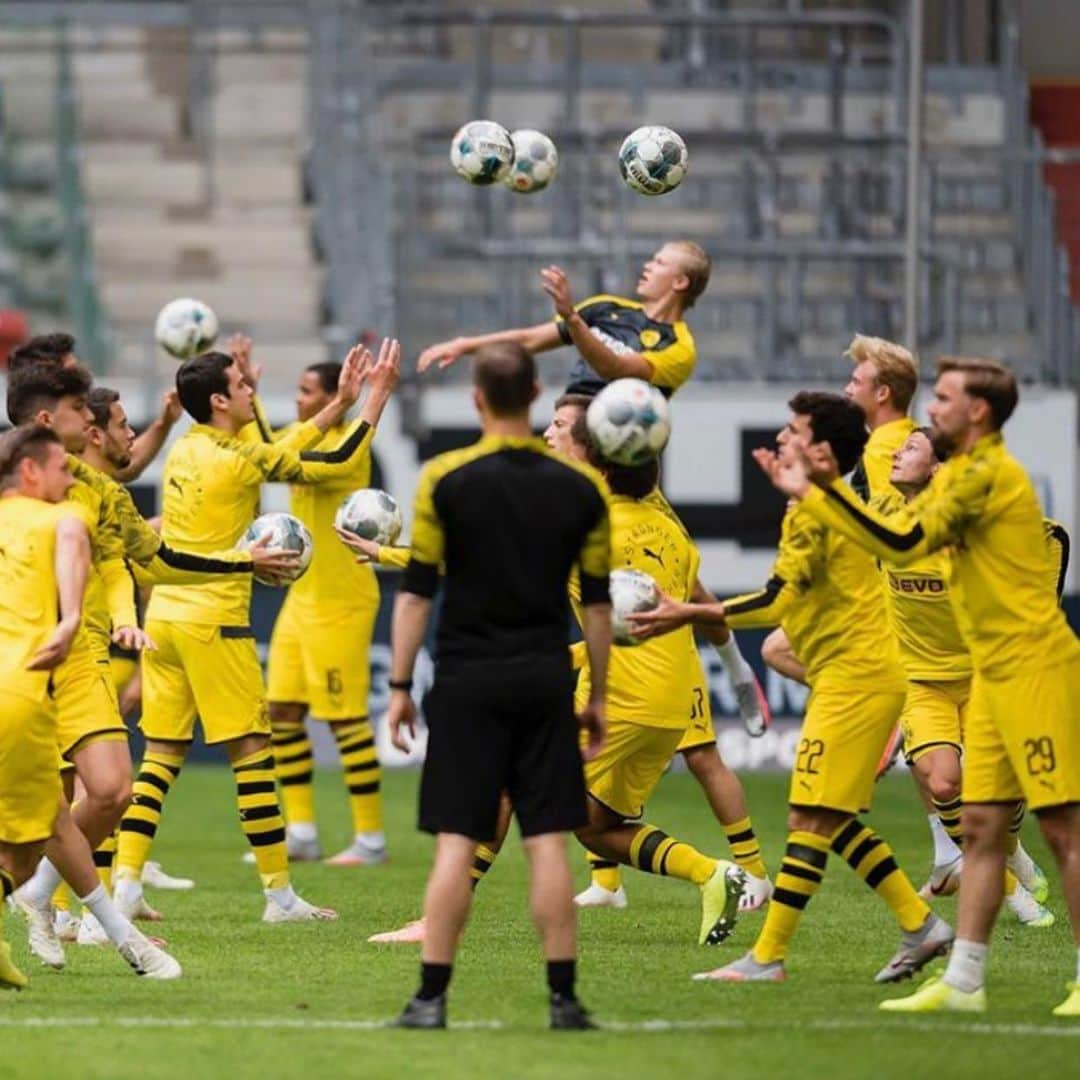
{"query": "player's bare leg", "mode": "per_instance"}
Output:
(104, 769)
(17, 863)
(727, 799)
(937, 776)
(69, 851)
(551, 891)
(484, 855)
(446, 907)
(1061, 828)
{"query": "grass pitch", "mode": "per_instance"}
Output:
(282, 1001)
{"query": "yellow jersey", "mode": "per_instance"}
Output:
(982, 506)
(921, 615)
(334, 580)
(211, 488)
(652, 683)
(29, 610)
(871, 477)
(825, 592)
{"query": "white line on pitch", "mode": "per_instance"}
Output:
(643, 1026)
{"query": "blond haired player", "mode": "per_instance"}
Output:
(44, 565)
(615, 337)
(206, 664)
(1022, 738)
(319, 661)
(824, 590)
(938, 667)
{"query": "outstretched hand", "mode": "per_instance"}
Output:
(556, 284)
(442, 354)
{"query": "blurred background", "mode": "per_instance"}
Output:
(903, 168)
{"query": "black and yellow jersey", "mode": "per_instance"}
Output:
(982, 506)
(871, 476)
(508, 520)
(622, 325)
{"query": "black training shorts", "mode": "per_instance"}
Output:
(502, 725)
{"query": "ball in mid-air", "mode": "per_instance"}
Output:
(482, 152)
(370, 514)
(536, 160)
(653, 160)
(185, 328)
(286, 532)
(631, 591)
(630, 422)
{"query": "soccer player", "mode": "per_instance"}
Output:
(937, 663)
(501, 711)
(825, 592)
(568, 434)
(1021, 737)
(615, 336)
(44, 564)
(319, 655)
(206, 664)
(60, 349)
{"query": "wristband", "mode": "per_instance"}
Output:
(400, 684)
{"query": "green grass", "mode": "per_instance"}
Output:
(635, 965)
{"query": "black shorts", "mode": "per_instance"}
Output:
(502, 725)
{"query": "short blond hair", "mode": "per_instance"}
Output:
(893, 365)
(987, 379)
(697, 266)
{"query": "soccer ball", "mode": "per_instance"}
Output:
(653, 160)
(186, 328)
(286, 532)
(629, 421)
(482, 152)
(370, 514)
(631, 590)
(535, 161)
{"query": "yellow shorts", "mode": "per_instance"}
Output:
(123, 669)
(29, 770)
(1023, 738)
(842, 739)
(87, 709)
(701, 731)
(632, 760)
(933, 716)
(209, 671)
(324, 663)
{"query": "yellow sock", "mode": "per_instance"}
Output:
(483, 857)
(604, 873)
(949, 815)
(293, 765)
(103, 860)
(260, 817)
(363, 777)
(1012, 883)
(61, 899)
(1015, 826)
(157, 773)
(745, 849)
(655, 852)
(799, 877)
(872, 859)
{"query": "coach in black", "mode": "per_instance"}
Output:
(506, 520)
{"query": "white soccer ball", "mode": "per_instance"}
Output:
(653, 160)
(286, 532)
(482, 152)
(186, 328)
(536, 160)
(630, 422)
(370, 514)
(631, 591)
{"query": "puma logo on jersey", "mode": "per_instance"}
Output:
(652, 555)
(173, 482)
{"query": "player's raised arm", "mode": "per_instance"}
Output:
(535, 339)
